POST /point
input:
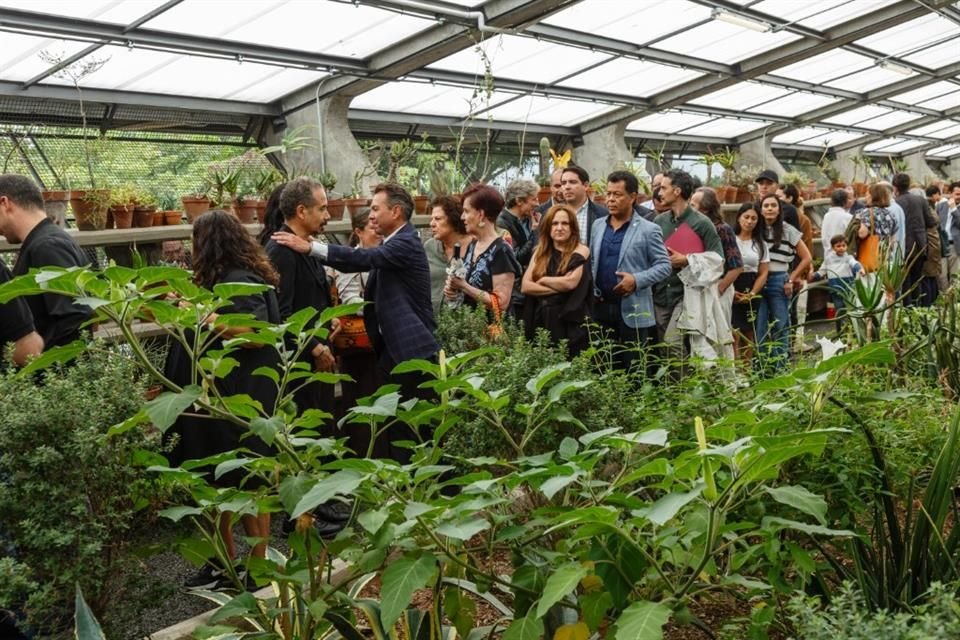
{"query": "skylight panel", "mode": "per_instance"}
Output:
(636, 21)
(793, 104)
(522, 59)
(725, 128)
(945, 151)
(631, 77)
(668, 122)
(724, 42)
(912, 35)
(926, 92)
(855, 116)
(832, 138)
(742, 95)
(941, 130)
(867, 79)
(825, 66)
(893, 145)
(20, 55)
(948, 101)
(355, 31)
(550, 111)
(426, 98)
(842, 12)
(793, 11)
(798, 136)
(113, 11)
(936, 56)
(892, 119)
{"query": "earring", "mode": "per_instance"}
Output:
(482, 224)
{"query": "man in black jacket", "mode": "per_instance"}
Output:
(23, 220)
(915, 237)
(520, 218)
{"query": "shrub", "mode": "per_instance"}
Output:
(848, 618)
(70, 495)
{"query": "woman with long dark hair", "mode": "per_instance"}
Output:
(558, 284)
(784, 242)
(223, 251)
(749, 284)
(273, 218)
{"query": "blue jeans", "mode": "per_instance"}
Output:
(773, 321)
(837, 287)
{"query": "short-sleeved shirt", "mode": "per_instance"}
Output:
(753, 253)
(782, 255)
(57, 318)
(884, 221)
(498, 258)
(15, 318)
(731, 251)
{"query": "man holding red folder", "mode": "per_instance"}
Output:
(685, 231)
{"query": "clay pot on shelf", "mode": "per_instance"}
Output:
(335, 209)
(90, 208)
(122, 216)
(55, 204)
(143, 216)
(420, 204)
(172, 216)
(245, 210)
(544, 194)
(261, 211)
(354, 205)
(195, 207)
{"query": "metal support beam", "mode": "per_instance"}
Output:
(15, 140)
(46, 161)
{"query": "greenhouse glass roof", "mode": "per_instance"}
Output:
(879, 74)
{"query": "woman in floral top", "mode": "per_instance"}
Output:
(884, 224)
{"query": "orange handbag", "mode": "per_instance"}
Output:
(868, 251)
(352, 337)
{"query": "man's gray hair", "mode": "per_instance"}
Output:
(520, 188)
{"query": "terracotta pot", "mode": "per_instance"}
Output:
(122, 216)
(544, 194)
(860, 189)
(729, 195)
(143, 216)
(420, 204)
(354, 205)
(55, 204)
(157, 218)
(246, 210)
(335, 209)
(195, 207)
(172, 217)
(90, 208)
(261, 211)
(743, 195)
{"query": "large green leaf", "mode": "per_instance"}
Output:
(802, 499)
(643, 621)
(535, 384)
(56, 355)
(400, 580)
(87, 627)
(342, 482)
(669, 505)
(240, 606)
(561, 583)
(164, 410)
(463, 530)
(527, 628)
(812, 529)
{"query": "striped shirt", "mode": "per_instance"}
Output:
(782, 256)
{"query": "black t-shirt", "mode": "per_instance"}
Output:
(496, 259)
(15, 318)
(57, 318)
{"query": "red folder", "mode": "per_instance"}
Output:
(685, 240)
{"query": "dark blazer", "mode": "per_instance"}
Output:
(303, 280)
(400, 320)
(522, 247)
(914, 216)
(56, 317)
(594, 212)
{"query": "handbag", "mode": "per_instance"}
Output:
(352, 337)
(868, 251)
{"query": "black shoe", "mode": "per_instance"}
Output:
(334, 511)
(207, 577)
(327, 529)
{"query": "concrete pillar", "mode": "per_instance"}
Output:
(603, 151)
(920, 172)
(758, 153)
(334, 149)
(951, 169)
(849, 170)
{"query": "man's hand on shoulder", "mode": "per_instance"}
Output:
(295, 242)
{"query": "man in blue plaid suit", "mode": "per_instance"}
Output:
(399, 315)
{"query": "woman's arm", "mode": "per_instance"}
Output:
(503, 288)
(564, 283)
(763, 270)
(805, 260)
(728, 279)
(529, 287)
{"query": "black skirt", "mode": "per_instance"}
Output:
(744, 315)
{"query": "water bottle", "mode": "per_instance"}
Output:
(456, 269)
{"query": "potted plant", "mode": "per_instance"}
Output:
(245, 207)
(355, 202)
(860, 187)
(224, 182)
(121, 206)
(90, 208)
(335, 206)
(727, 159)
(55, 204)
(264, 182)
(545, 192)
(196, 203)
(144, 206)
(167, 203)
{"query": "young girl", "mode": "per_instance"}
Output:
(749, 284)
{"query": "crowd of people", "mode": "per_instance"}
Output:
(667, 277)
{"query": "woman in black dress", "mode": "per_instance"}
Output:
(558, 285)
(223, 251)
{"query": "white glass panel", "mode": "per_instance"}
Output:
(938, 56)
(724, 42)
(635, 21)
(873, 77)
(668, 122)
(426, 98)
(910, 36)
(855, 116)
(741, 96)
(825, 66)
(522, 58)
(893, 145)
(336, 28)
(20, 55)
(277, 85)
(832, 138)
(118, 12)
(941, 130)
(945, 151)
(724, 128)
(794, 104)
(926, 92)
(943, 103)
(539, 110)
(892, 119)
(796, 136)
(631, 77)
(843, 13)
(793, 11)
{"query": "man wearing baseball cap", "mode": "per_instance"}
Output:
(767, 183)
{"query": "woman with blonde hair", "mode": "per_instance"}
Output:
(558, 284)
